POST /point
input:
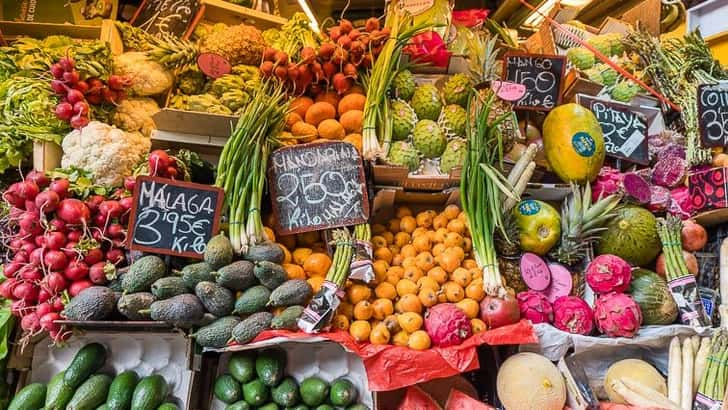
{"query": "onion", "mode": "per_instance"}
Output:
(55, 260)
(39, 178)
(78, 286)
(47, 201)
(60, 186)
(73, 211)
(76, 270)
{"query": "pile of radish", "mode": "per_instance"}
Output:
(77, 94)
(163, 165)
(336, 62)
(58, 246)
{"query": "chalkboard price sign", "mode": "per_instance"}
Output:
(165, 16)
(173, 217)
(713, 114)
(625, 131)
(317, 186)
(541, 75)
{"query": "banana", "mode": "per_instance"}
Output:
(682, 14)
(669, 17)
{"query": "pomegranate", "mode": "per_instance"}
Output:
(693, 236)
(497, 312)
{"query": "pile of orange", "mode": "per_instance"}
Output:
(304, 256)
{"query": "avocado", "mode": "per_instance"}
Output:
(58, 393)
(149, 393)
(288, 319)
(142, 273)
(291, 292)
(250, 327)
(219, 252)
(269, 406)
(252, 300)
(298, 407)
(167, 287)
(168, 406)
(236, 276)
(239, 405)
(183, 311)
(286, 393)
(255, 393)
(314, 391)
(324, 407)
(89, 359)
(227, 389)
(217, 333)
(270, 366)
(271, 275)
(91, 394)
(30, 397)
(342, 392)
(357, 407)
(122, 390)
(266, 251)
(242, 366)
(216, 299)
(196, 273)
(93, 303)
(130, 304)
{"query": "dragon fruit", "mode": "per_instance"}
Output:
(447, 325)
(535, 307)
(680, 204)
(669, 171)
(608, 273)
(573, 315)
(617, 315)
(609, 181)
(659, 198)
(636, 188)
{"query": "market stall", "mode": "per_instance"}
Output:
(220, 205)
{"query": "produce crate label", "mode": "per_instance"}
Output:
(536, 274)
(317, 186)
(542, 77)
(708, 189)
(361, 268)
(320, 310)
(213, 65)
(687, 297)
(165, 16)
(508, 91)
(703, 402)
(713, 114)
(173, 217)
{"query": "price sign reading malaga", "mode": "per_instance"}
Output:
(541, 75)
(713, 114)
(173, 217)
(317, 186)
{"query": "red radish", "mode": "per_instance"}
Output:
(56, 224)
(20, 257)
(117, 82)
(341, 83)
(99, 220)
(43, 296)
(28, 247)
(129, 183)
(344, 42)
(350, 70)
(26, 291)
(64, 111)
(690, 260)
(7, 287)
(94, 201)
(111, 209)
(30, 206)
(116, 231)
(372, 24)
(57, 70)
(335, 33)
(82, 86)
(15, 244)
(158, 159)
(76, 270)
(47, 321)
(27, 190)
(73, 211)
(95, 99)
(329, 69)
(71, 250)
(326, 50)
(36, 257)
(30, 323)
(18, 307)
(78, 286)
(346, 26)
(57, 304)
(10, 268)
(55, 282)
(30, 224)
(97, 235)
(60, 186)
(127, 203)
(74, 96)
(67, 63)
(71, 77)
(55, 260)
(74, 235)
(31, 274)
(39, 178)
(115, 255)
(55, 240)
(79, 121)
(80, 108)
(693, 235)
(39, 241)
(59, 87)
(95, 85)
(43, 308)
(99, 272)
(93, 256)
(267, 68)
(281, 72)
(172, 172)
(269, 54)
(497, 312)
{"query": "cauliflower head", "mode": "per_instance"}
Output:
(147, 76)
(135, 114)
(107, 152)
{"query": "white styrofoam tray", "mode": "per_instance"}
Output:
(327, 360)
(164, 354)
(709, 17)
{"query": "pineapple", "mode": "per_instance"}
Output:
(172, 52)
(134, 38)
(582, 223)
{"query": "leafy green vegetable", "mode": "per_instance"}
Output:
(81, 182)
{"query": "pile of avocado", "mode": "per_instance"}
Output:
(258, 381)
(80, 387)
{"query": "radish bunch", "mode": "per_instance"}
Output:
(76, 94)
(336, 62)
(164, 165)
(58, 245)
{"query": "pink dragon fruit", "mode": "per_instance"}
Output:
(617, 315)
(573, 315)
(447, 325)
(669, 171)
(535, 307)
(608, 273)
(659, 198)
(609, 181)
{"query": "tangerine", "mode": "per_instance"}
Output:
(470, 307)
(409, 303)
(428, 297)
(453, 292)
(358, 292)
(406, 287)
(424, 219)
(300, 255)
(407, 224)
(294, 271)
(317, 264)
(413, 273)
(400, 338)
(379, 335)
(363, 310)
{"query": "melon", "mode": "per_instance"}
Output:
(632, 235)
(650, 291)
(530, 381)
(638, 370)
(573, 143)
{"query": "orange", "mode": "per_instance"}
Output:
(379, 241)
(457, 251)
(413, 273)
(380, 268)
(403, 211)
(389, 237)
(384, 254)
(462, 277)
(428, 297)
(300, 255)
(440, 234)
(307, 239)
(451, 211)
(438, 274)
(408, 251)
(410, 321)
(294, 271)
(448, 261)
(377, 229)
(426, 282)
(397, 259)
(440, 221)
(419, 340)
(386, 290)
(406, 287)
(424, 219)
(469, 264)
(317, 264)
(392, 323)
(360, 330)
(475, 291)
(363, 310)
(394, 225)
(287, 258)
(289, 241)
(346, 309)
(453, 292)
(456, 226)
(381, 308)
(420, 231)
(401, 239)
(400, 338)
(340, 322)
(407, 224)
(409, 261)
(421, 243)
(425, 261)
(467, 244)
(358, 293)
(438, 249)
(453, 239)
(478, 325)
(379, 335)
(470, 307)
(409, 303)
(315, 282)
(269, 234)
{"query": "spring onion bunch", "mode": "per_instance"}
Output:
(244, 161)
(339, 270)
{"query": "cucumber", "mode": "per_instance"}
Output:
(87, 361)
(150, 393)
(31, 397)
(121, 390)
(58, 393)
(91, 394)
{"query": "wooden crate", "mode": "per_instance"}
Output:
(219, 11)
(105, 32)
(46, 155)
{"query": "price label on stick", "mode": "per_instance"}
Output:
(625, 131)
(541, 75)
(173, 217)
(317, 186)
(713, 114)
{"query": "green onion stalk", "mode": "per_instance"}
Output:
(483, 188)
(714, 382)
(244, 161)
(339, 270)
(377, 121)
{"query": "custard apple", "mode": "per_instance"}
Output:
(616, 48)
(582, 58)
(403, 120)
(403, 85)
(426, 102)
(457, 90)
(429, 139)
(594, 74)
(624, 91)
(453, 120)
(403, 154)
(454, 155)
(609, 76)
(602, 43)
